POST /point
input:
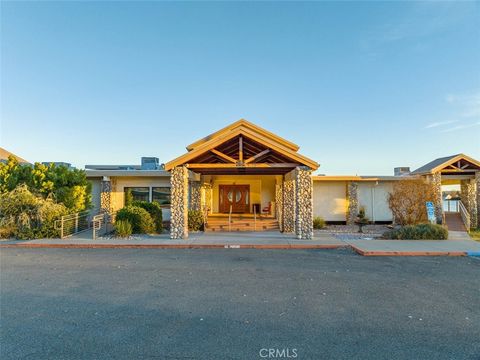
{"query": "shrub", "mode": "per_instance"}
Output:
(418, 232)
(138, 217)
(123, 228)
(65, 185)
(407, 201)
(318, 222)
(155, 212)
(27, 216)
(195, 220)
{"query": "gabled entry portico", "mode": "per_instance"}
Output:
(243, 169)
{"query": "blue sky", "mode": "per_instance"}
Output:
(361, 87)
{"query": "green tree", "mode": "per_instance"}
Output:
(67, 186)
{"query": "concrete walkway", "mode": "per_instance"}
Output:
(266, 240)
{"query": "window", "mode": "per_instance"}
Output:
(161, 195)
(139, 193)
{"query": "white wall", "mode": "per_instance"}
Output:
(374, 198)
(330, 200)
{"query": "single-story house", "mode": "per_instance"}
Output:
(246, 173)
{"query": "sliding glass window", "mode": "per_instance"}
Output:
(139, 193)
(161, 195)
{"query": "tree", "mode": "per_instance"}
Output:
(407, 201)
(65, 185)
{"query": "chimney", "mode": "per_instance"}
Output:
(401, 171)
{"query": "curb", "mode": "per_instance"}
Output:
(172, 246)
(408, 253)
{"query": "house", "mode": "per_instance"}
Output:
(249, 177)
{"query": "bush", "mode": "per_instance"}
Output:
(407, 201)
(65, 185)
(195, 220)
(318, 222)
(123, 228)
(155, 212)
(139, 218)
(27, 216)
(418, 232)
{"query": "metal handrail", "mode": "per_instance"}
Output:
(465, 215)
(230, 219)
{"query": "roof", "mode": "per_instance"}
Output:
(359, 178)
(245, 124)
(4, 154)
(440, 163)
(126, 173)
(247, 130)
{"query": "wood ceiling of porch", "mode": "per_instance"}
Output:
(242, 155)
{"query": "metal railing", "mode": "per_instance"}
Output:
(465, 215)
(71, 224)
(230, 219)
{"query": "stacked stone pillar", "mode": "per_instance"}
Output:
(195, 196)
(303, 203)
(289, 203)
(468, 195)
(279, 205)
(436, 184)
(106, 196)
(477, 190)
(352, 198)
(297, 203)
(179, 203)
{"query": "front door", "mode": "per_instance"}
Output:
(236, 196)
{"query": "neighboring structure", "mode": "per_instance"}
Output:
(4, 154)
(244, 177)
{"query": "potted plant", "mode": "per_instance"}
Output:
(361, 220)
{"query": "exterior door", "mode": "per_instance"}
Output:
(236, 196)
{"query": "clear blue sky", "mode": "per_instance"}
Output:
(361, 87)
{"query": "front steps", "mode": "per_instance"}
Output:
(241, 223)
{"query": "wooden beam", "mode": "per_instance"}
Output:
(255, 157)
(231, 166)
(223, 156)
(240, 149)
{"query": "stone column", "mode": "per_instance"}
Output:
(303, 203)
(195, 196)
(468, 195)
(352, 198)
(279, 205)
(106, 196)
(436, 183)
(477, 190)
(206, 191)
(179, 203)
(289, 202)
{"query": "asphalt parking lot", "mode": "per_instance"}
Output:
(236, 304)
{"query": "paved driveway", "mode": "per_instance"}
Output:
(231, 304)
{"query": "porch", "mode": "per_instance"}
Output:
(243, 178)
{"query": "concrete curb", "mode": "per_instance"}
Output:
(408, 253)
(173, 246)
(243, 246)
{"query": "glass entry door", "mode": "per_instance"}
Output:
(236, 196)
